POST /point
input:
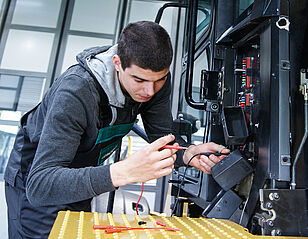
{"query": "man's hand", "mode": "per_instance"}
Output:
(148, 163)
(202, 162)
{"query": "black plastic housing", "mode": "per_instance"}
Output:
(231, 170)
(225, 206)
(234, 125)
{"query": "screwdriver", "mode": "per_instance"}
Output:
(173, 147)
(184, 148)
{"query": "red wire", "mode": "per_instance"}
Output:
(139, 198)
(114, 230)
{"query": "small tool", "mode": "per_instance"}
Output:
(184, 148)
(160, 223)
(113, 229)
(173, 147)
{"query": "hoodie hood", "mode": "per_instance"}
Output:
(98, 60)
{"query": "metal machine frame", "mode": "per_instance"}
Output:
(262, 32)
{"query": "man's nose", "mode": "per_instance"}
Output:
(149, 88)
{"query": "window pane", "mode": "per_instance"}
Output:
(1, 6)
(76, 44)
(6, 144)
(9, 115)
(243, 5)
(7, 98)
(9, 81)
(37, 12)
(146, 11)
(30, 94)
(95, 16)
(28, 51)
(203, 16)
(201, 63)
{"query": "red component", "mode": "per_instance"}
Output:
(173, 147)
(160, 223)
(244, 64)
(247, 100)
(248, 63)
(247, 82)
(114, 229)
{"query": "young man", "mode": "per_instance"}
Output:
(56, 162)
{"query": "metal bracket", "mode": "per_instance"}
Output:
(211, 85)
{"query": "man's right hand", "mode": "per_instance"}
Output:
(148, 163)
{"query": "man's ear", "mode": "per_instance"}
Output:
(116, 62)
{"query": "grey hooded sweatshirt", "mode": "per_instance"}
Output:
(49, 148)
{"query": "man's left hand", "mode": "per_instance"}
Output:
(202, 162)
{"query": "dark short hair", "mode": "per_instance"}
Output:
(145, 44)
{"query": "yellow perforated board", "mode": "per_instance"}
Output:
(79, 225)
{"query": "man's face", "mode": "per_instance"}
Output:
(141, 84)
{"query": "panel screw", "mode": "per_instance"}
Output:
(270, 223)
(214, 107)
(269, 205)
(276, 232)
(276, 196)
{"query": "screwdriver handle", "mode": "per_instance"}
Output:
(173, 147)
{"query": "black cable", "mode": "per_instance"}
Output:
(180, 185)
(183, 179)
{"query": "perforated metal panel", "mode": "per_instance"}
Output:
(80, 225)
